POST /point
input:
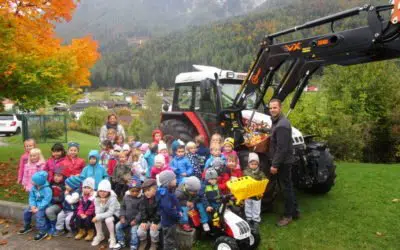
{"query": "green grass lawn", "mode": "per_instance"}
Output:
(11, 153)
(358, 213)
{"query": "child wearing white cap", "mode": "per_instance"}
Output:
(107, 209)
(252, 207)
(85, 212)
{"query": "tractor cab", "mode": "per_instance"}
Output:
(209, 93)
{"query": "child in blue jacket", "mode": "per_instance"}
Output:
(181, 164)
(169, 207)
(94, 169)
(39, 199)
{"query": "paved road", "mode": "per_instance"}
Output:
(8, 232)
(2, 144)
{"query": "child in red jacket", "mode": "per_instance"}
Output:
(86, 211)
(72, 164)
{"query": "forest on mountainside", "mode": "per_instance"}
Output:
(229, 44)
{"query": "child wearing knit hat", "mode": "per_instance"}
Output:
(39, 200)
(159, 166)
(252, 207)
(228, 151)
(70, 204)
(85, 212)
(169, 207)
(190, 197)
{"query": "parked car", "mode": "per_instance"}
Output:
(10, 124)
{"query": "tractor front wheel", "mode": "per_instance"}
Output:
(178, 130)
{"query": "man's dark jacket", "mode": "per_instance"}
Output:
(281, 146)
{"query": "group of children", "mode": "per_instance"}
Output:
(147, 188)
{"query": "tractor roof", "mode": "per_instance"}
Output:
(208, 72)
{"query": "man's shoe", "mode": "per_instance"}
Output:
(284, 221)
(25, 230)
(296, 215)
(186, 227)
(40, 236)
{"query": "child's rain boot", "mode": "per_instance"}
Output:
(90, 235)
(153, 245)
(81, 234)
(142, 245)
(52, 229)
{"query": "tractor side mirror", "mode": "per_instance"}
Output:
(165, 107)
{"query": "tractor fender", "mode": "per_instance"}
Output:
(240, 228)
(190, 118)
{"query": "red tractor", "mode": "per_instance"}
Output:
(214, 100)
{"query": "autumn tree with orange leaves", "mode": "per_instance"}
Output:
(34, 64)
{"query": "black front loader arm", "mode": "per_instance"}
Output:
(375, 42)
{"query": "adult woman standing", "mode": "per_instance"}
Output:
(112, 123)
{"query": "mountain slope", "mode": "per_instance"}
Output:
(230, 44)
(122, 19)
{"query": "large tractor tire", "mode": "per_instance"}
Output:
(326, 171)
(178, 130)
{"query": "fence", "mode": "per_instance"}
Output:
(45, 128)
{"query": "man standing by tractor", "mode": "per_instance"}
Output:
(281, 153)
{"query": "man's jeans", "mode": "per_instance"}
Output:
(120, 233)
(285, 179)
(41, 220)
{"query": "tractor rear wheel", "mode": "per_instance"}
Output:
(178, 130)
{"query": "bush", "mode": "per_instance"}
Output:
(73, 125)
(92, 119)
(54, 129)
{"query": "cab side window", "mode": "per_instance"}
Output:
(185, 98)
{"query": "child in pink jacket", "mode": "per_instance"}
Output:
(35, 164)
(28, 145)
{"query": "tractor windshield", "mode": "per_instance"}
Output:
(229, 90)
